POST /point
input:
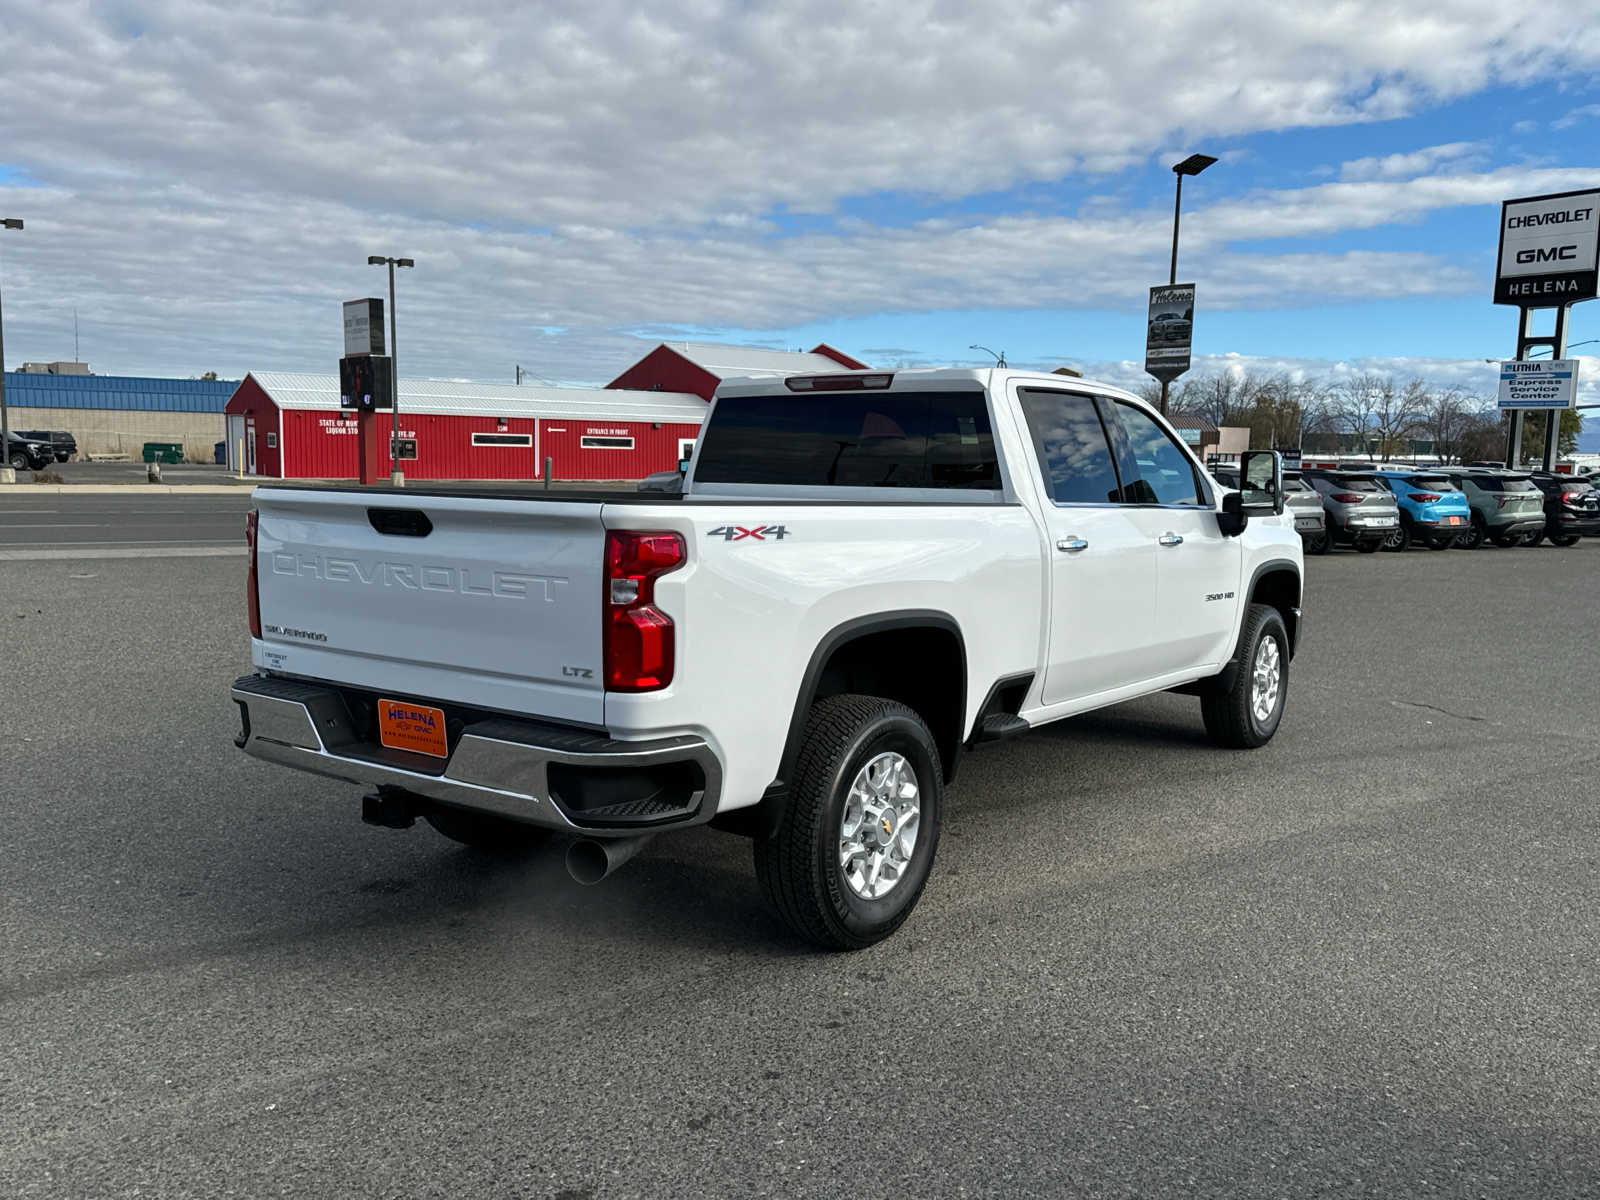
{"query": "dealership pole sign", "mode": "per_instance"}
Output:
(363, 326)
(1539, 383)
(1549, 250)
(1170, 331)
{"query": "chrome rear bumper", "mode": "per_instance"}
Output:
(500, 765)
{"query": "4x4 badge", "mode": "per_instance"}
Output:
(738, 533)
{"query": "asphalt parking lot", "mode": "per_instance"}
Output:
(1358, 962)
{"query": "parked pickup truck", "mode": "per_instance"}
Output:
(864, 575)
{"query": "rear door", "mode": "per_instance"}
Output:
(1102, 565)
(1197, 568)
(488, 602)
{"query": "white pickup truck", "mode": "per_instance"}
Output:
(863, 576)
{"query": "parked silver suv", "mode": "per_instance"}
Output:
(1360, 511)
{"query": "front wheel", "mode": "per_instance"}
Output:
(1248, 713)
(19, 462)
(857, 840)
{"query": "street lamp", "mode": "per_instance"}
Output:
(397, 477)
(999, 359)
(7, 473)
(1192, 165)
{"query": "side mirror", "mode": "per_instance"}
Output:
(1261, 482)
(1232, 519)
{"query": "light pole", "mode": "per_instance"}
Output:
(999, 359)
(397, 477)
(7, 473)
(1192, 165)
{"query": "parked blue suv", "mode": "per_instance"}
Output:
(1432, 509)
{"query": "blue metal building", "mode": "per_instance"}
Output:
(116, 414)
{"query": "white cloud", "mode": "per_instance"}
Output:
(1417, 162)
(1576, 116)
(214, 175)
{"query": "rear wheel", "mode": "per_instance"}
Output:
(1564, 539)
(1368, 545)
(1318, 543)
(1398, 538)
(857, 840)
(1472, 538)
(494, 835)
(1247, 714)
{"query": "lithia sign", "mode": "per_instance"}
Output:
(1549, 250)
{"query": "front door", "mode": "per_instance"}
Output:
(1102, 564)
(1197, 569)
(249, 447)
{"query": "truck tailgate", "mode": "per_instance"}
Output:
(490, 602)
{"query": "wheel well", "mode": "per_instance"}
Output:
(923, 667)
(1281, 590)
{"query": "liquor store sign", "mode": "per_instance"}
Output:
(1549, 250)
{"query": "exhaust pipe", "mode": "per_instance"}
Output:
(589, 860)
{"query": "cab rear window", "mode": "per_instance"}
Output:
(851, 439)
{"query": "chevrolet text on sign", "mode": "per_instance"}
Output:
(1549, 248)
(1540, 383)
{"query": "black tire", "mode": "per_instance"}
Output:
(19, 462)
(1230, 718)
(1318, 543)
(1400, 538)
(1368, 545)
(1532, 539)
(61, 458)
(493, 835)
(1472, 538)
(799, 866)
(1564, 539)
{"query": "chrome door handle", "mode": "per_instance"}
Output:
(1170, 539)
(1072, 545)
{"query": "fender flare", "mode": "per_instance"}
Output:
(769, 811)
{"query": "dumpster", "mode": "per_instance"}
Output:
(163, 452)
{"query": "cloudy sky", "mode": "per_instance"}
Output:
(203, 182)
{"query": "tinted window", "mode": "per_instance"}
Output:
(1500, 483)
(1071, 445)
(1353, 483)
(1154, 470)
(1433, 483)
(851, 439)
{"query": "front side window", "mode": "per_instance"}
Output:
(1071, 445)
(1154, 469)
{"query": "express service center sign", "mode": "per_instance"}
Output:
(1539, 383)
(1549, 250)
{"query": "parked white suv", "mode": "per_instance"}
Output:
(865, 574)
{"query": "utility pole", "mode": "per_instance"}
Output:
(397, 477)
(7, 473)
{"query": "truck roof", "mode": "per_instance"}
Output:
(937, 378)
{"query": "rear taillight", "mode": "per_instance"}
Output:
(1425, 497)
(1349, 497)
(253, 583)
(1501, 500)
(638, 635)
(1572, 497)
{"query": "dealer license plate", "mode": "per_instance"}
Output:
(415, 727)
(1454, 521)
(1307, 523)
(1381, 522)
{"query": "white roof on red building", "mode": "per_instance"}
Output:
(294, 390)
(727, 361)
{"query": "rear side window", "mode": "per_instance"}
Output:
(851, 439)
(1154, 470)
(1071, 445)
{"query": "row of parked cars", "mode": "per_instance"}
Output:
(36, 449)
(1392, 507)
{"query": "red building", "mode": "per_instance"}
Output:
(290, 426)
(698, 367)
